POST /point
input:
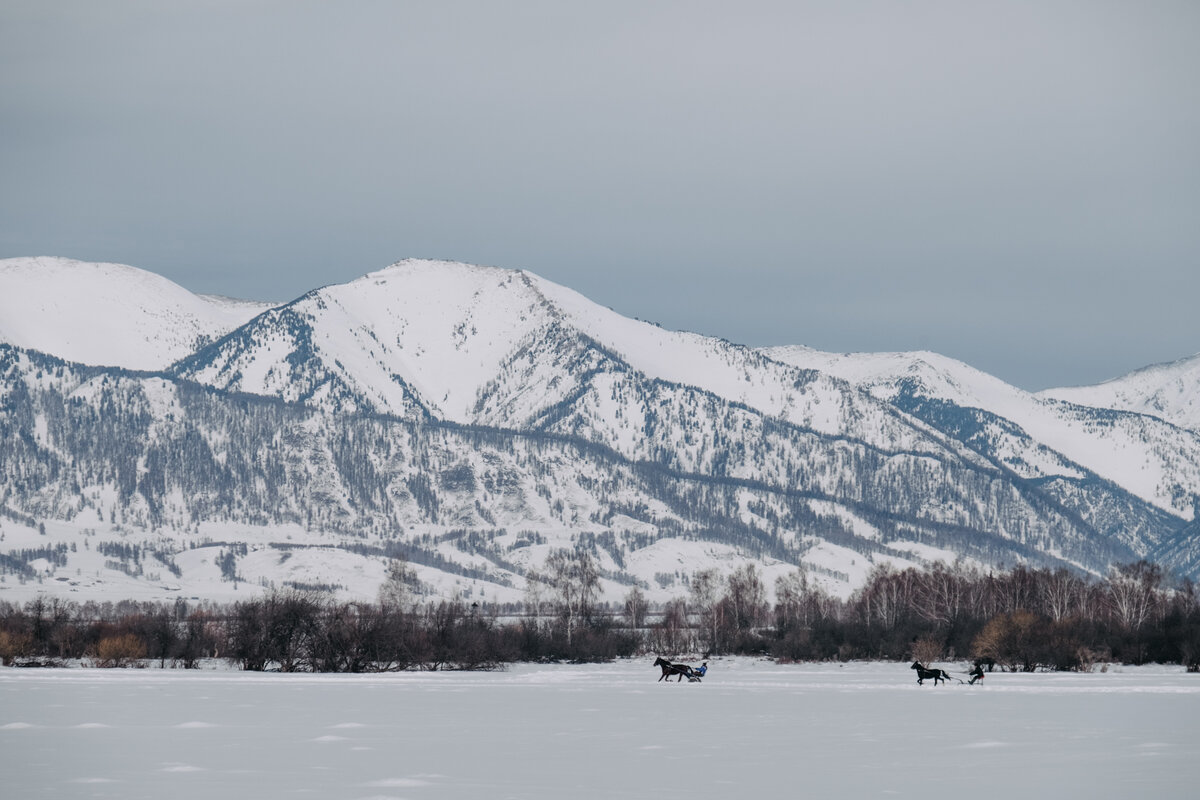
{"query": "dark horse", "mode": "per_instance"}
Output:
(669, 669)
(937, 675)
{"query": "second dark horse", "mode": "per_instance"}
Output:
(669, 669)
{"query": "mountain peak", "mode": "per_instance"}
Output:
(434, 269)
(57, 305)
(1170, 391)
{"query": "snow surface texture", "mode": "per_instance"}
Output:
(751, 729)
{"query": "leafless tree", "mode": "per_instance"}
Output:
(792, 609)
(1018, 590)
(400, 585)
(535, 598)
(940, 593)
(746, 599)
(672, 634)
(705, 587)
(575, 580)
(1062, 594)
(1133, 593)
(636, 607)
(886, 597)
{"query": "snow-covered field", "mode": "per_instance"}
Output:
(753, 728)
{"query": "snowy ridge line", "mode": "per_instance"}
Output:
(1101, 439)
(1166, 391)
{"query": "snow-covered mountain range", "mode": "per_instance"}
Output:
(474, 418)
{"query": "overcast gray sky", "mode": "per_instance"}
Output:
(1016, 185)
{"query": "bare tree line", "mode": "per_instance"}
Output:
(1020, 619)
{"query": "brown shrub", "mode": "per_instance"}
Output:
(119, 651)
(14, 646)
(927, 649)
